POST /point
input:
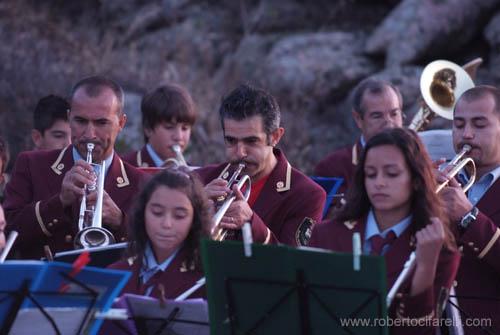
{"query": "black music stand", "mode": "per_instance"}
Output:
(18, 299)
(54, 299)
(150, 316)
(283, 290)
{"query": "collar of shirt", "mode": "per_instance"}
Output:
(362, 141)
(154, 156)
(372, 230)
(76, 156)
(482, 185)
(150, 266)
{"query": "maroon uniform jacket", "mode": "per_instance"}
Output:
(340, 163)
(286, 201)
(337, 236)
(478, 279)
(176, 279)
(33, 208)
(140, 158)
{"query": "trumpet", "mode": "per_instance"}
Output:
(176, 162)
(458, 164)
(218, 233)
(90, 230)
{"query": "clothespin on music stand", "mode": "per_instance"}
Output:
(163, 300)
(77, 266)
(356, 251)
(247, 239)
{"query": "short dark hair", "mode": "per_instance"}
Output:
(187, 183)
(94, 86)
(48, 110)
(373, 86)
(425, 202)
(167, 103)
(479, 92)
(246, 101)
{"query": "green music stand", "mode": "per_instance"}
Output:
(283, 290)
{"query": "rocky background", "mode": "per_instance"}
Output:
(309, 54)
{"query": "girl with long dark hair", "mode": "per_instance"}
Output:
(394, 206)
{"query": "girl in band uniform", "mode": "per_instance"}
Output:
(394, 207)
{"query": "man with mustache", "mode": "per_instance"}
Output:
(284, 203)
(475, 216)
(43, 197)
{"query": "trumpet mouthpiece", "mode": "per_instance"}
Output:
(176, 148)
(466, 148)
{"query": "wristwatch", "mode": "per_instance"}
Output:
(468, 218)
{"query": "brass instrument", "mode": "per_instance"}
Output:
(441, 84)
(218, 233)
(90, 230)
(458, 164)
(176, 162)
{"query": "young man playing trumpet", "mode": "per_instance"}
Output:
(168, 115)
(283, 203)
(42, 199)
(475, 216)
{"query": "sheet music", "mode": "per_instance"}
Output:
(189, 310)
(31, 321)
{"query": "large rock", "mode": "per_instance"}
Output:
(312, 67)
(418, 28)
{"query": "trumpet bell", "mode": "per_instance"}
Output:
(441, 84)
(91, 237)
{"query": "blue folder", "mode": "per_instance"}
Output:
(331, 186)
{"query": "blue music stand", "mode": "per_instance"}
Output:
(331, 186)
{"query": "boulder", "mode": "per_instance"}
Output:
(426, 28)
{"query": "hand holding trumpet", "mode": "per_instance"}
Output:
(74, 181)
(238, 213)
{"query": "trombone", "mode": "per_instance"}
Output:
(218, 233)
(457, 164)
(90, 230)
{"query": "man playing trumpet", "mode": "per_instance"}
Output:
(42, 198)
(475, 216)
(283, 203)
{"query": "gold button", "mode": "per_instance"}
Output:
(55, 220)
(50, 224)
(119, 180)
(455, 283)
(68, 238)
(123, 239)
(60, 166)
(471, 244)
(461, 248)
(476, 249)
(280, 184)
(402, 305)
(399, 295)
